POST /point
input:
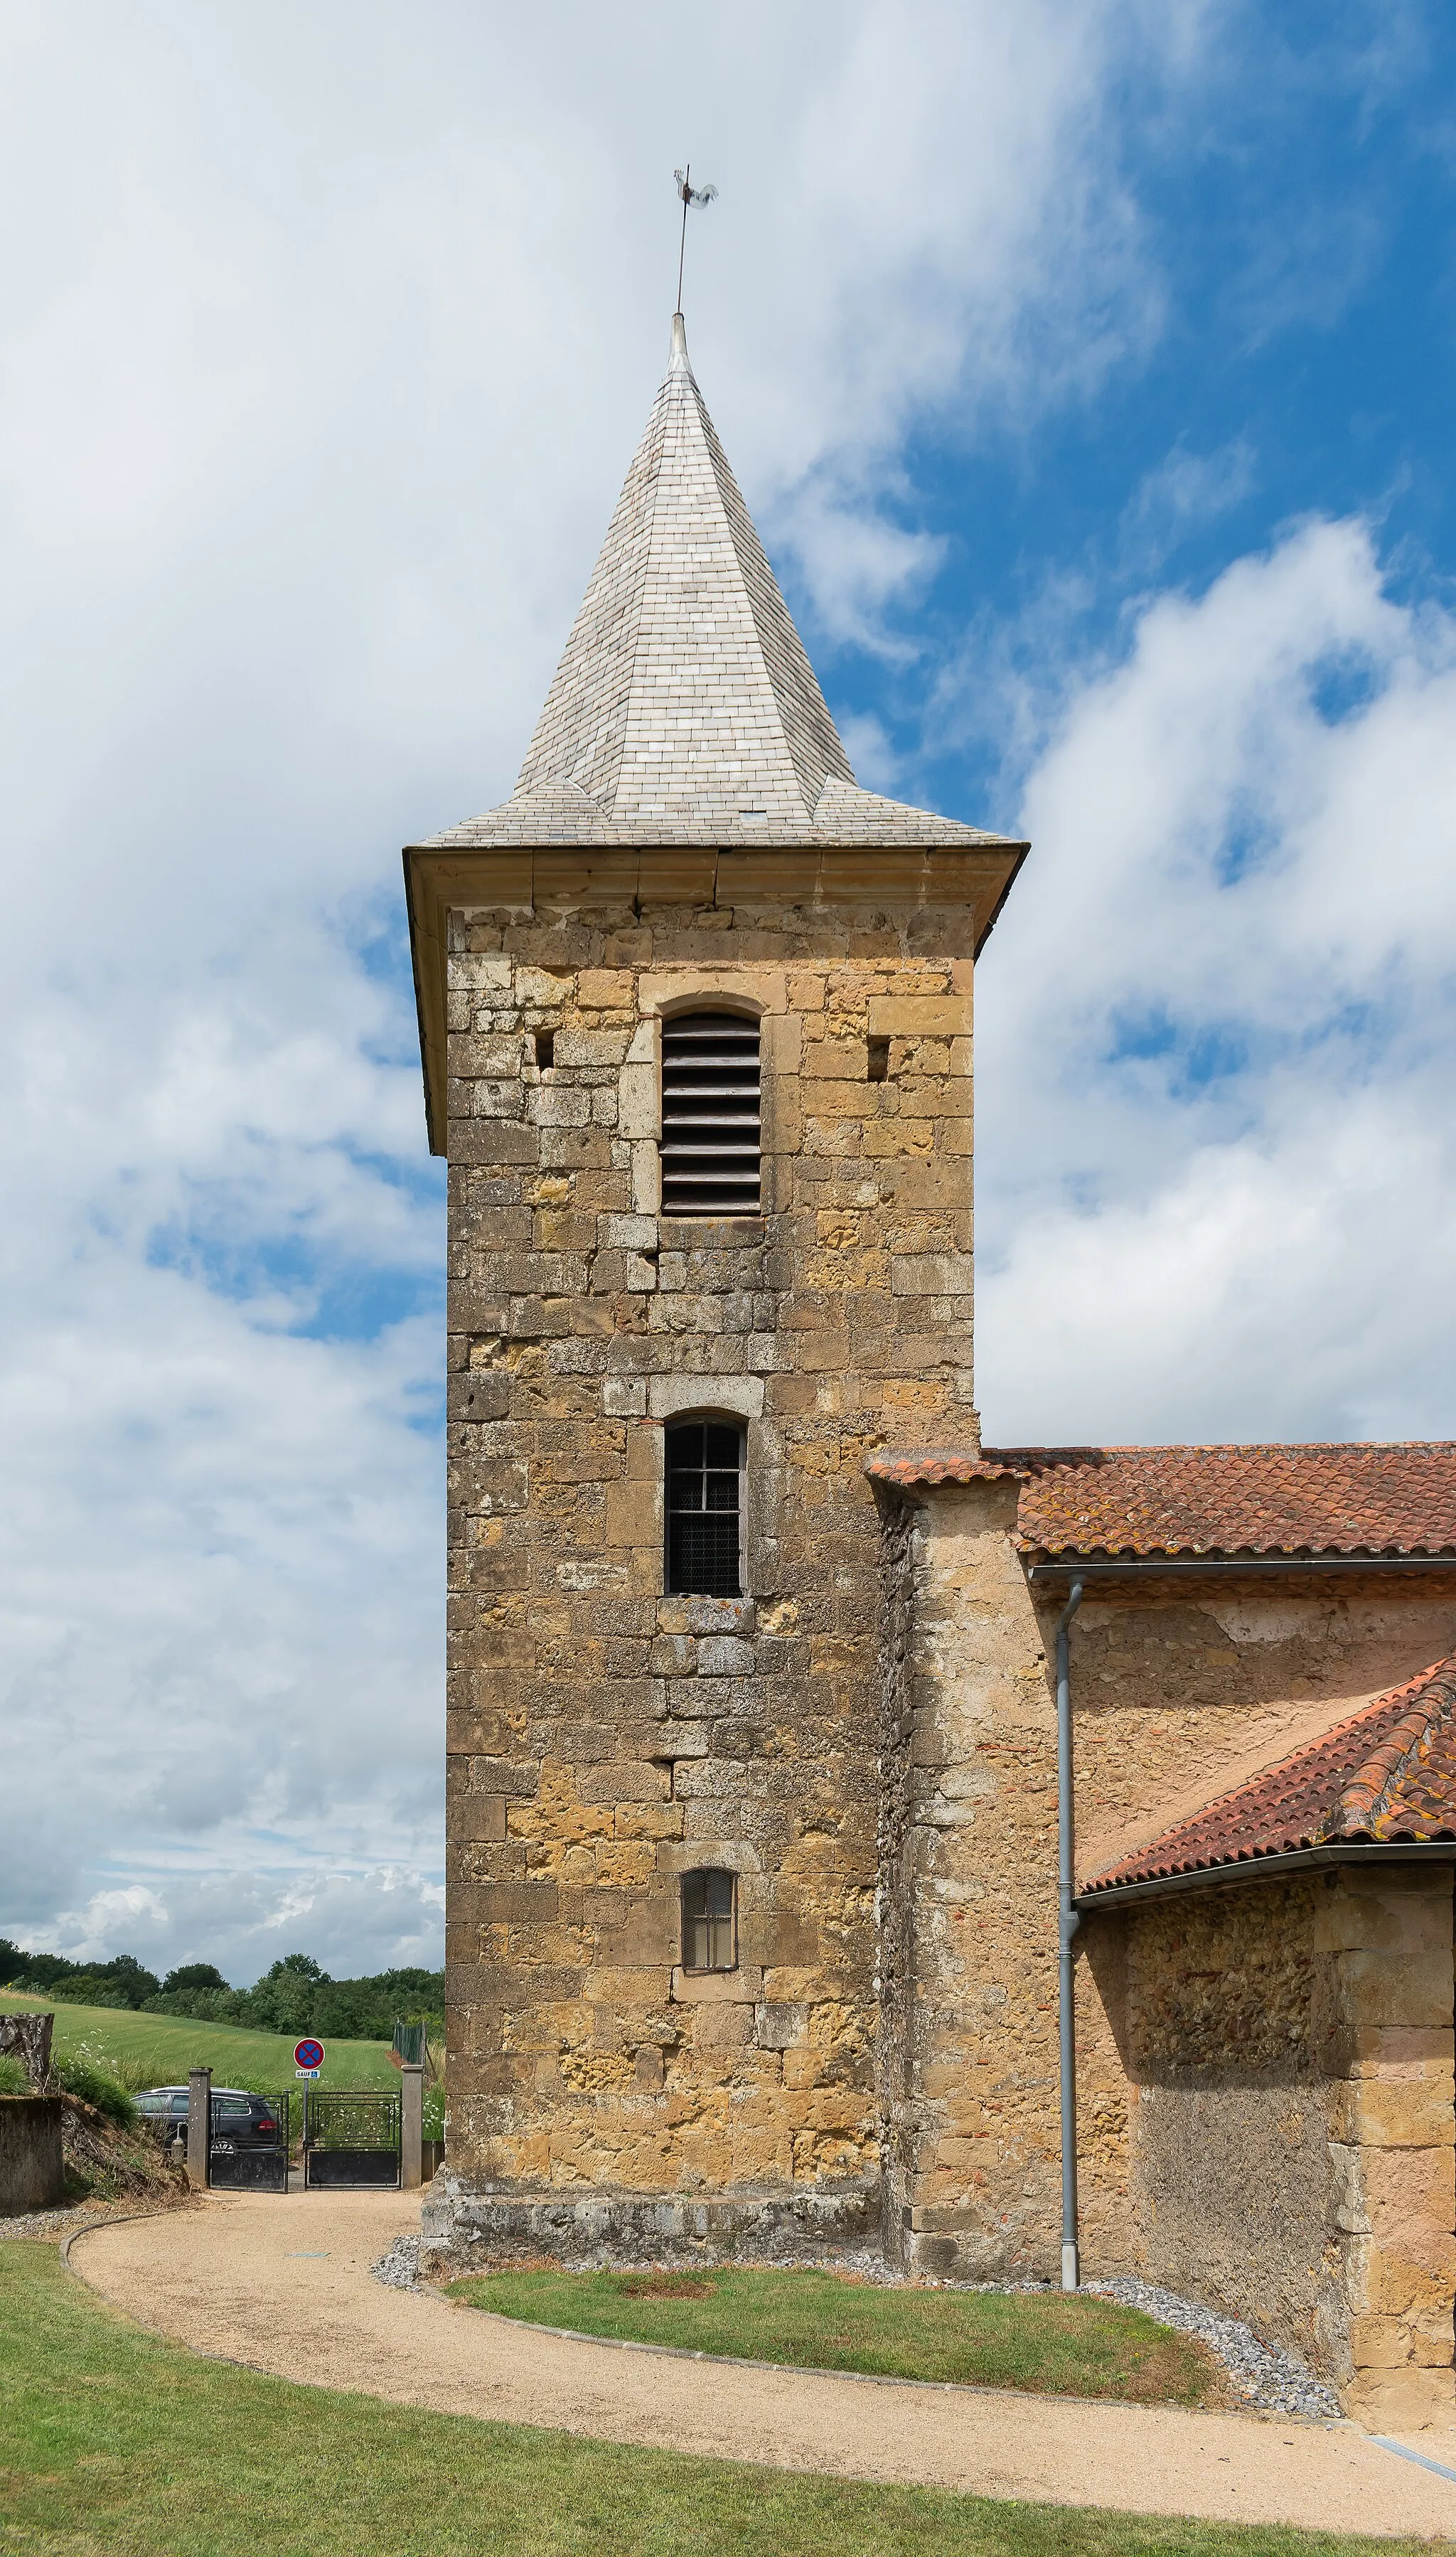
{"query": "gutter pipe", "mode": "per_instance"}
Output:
(1068, 1923)
(1257, 1868)
(1251, 1567)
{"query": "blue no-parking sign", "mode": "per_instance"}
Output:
(307, 2058)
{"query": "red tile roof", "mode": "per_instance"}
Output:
(1357, 1498)
(1386, 1776)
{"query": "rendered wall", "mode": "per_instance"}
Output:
(1290, 2046)
(1233, 2045)
(605, 1738)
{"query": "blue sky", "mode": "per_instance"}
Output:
(1089, 370)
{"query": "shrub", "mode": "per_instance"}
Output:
(200, 2006)
(81, 2077)
(13, 2079)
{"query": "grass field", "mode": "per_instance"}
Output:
(115, 2444)
(1081, 2348)
(163, 2047)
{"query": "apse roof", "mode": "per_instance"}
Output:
(1387, 1776)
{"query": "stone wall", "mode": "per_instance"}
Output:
(1389, 1936)
(604, 1737)
(1175, 1696)
(896, 2048)
(1289, 2047)
(969, 1878)
(26, 2038)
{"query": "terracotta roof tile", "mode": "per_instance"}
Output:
(1361, 1497)
(1386, 1776)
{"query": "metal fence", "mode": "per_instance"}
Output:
(350, 2142)
(248, 2143)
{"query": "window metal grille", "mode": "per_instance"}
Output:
(709, 1922)
(709, 1115)
(704, 1463)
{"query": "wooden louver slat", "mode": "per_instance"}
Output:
(709, 1115)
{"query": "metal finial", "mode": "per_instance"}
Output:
(689, 195)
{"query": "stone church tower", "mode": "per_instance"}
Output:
(696, 1018)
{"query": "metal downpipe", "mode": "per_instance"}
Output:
(1067, 1925)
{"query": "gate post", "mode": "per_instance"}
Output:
(411, 2128)
(199, 2127)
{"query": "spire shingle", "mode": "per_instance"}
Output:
(683, 709)
(684, 684)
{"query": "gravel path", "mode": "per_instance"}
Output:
(284, 2284)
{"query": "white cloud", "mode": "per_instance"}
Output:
(1186, 492)
(328, 335)
(1214, 1146)
(327, 340)
(367, 1919)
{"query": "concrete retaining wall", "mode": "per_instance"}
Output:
(32, 2176)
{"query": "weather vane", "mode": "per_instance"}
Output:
(689, 195)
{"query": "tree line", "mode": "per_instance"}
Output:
(294, 1996)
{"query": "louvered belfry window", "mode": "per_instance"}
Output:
(709, 1115)
(704, 1462)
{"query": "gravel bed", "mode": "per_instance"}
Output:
(52, 2223)
(1265, 2376)
(399, 2270)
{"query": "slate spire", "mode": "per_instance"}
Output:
(684, 690)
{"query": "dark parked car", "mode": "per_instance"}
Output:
(240, 2120)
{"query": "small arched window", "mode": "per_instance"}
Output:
(705, 1463)
(710, 1135)
(710, 1921)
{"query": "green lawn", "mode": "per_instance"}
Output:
(114, 2444)
(166, 2046)
(1078, 2347)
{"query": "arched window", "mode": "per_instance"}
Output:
(709, 1115)
(710, 1921)
(705, 1462)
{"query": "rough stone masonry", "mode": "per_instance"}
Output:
(607, 1738)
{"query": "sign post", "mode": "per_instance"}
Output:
(307, 2057)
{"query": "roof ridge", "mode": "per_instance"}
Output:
(766, 606)
(658, 420)
(1223, 1447)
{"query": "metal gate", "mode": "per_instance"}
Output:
(350, 2141)
(248, 2143)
